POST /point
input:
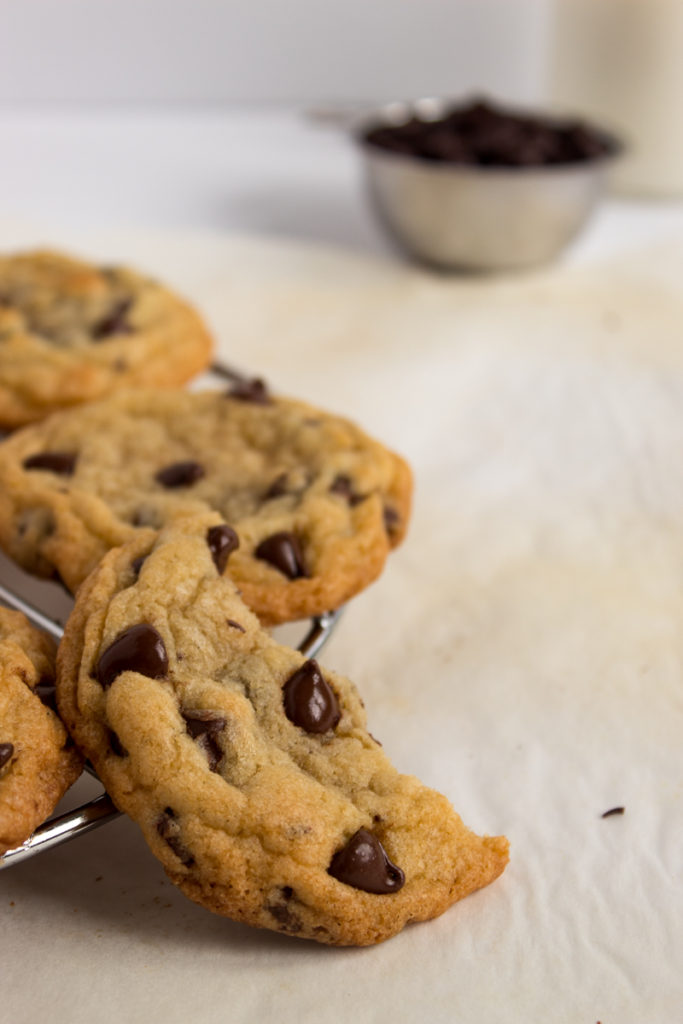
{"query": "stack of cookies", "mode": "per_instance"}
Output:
(185, 524)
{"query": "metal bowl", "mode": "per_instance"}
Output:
(473, 218)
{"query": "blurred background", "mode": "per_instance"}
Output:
(226, 114)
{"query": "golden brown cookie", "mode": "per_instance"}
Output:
(38, 761)
(71, 332)
(249, 768)
(316, 503)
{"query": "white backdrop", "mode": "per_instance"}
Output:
(268, 50)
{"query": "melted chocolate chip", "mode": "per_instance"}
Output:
(203, 726)
(169, 830)
(116, 323)
(283, 552)
(62, 463)
(138, 649)
(250, 390)
(222, 541)
(180, 474)
(310, 702)
(363, 863)
(6, 751)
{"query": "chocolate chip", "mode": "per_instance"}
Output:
(283, 551)
(115, 323)
(310, 702)
(203, 726)
(62, 463)
(169, 830)
(277, 488)
(235, 625)
(250, 390)
(288, 921)
(6, 751)
(180, 474)
(363, 863)
(138, 649)
(391, 521)
(343, 486)
(222, 541)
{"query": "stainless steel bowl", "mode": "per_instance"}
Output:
(458, 217)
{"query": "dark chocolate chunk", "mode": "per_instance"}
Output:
(6, 751)
(613, 810)
(169, 830)
(115, 323)
(363, 863)
(137, 649)
(180, 474)
(250, 390)
(222, 541)
(203, 726)
(310, 702)
(283, 552)
(62, 463)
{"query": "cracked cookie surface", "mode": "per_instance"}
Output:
(248, 768)
(38, 762)
(71, 332)
(316, 504)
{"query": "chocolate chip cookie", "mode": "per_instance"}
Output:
(316, 504)
(71, 332)
(38, 761)
(248, 767)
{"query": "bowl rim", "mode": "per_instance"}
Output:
(397, 112)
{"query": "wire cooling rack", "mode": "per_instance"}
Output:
(100, 809)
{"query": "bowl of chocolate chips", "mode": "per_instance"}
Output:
(480, 187)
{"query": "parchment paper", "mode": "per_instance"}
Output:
(523, 651)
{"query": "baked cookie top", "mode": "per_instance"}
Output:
(38, 761)
(250, 769)
(316, 503)
(71, 332)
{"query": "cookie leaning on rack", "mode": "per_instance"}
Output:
(71, 332)
(248, 767)
(316, 504)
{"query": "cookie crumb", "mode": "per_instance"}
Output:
(608, 814)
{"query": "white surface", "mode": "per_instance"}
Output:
(523, 651)
(268, 50)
